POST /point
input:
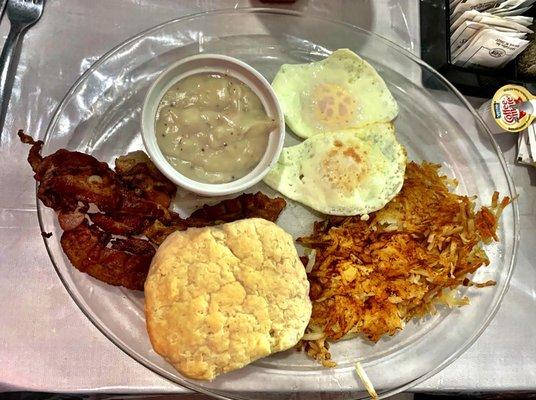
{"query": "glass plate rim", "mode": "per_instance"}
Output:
(263, 10)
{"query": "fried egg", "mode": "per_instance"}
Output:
(342, 91)
(348, 172)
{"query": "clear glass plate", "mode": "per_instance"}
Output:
(100, 115)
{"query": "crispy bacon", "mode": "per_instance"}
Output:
(134, 204)
(120, 224)
(138, 173)
(246, 205)
(67, 178)
(136, 246)
(34, 156)
(131, 200)
(158, 231)
(121, 265)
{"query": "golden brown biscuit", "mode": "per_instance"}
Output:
(219, 298)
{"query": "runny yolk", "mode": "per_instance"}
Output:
(333, 105)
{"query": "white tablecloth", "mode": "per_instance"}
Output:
(46, 343)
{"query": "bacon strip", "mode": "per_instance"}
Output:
(246, 205)
(86, 248)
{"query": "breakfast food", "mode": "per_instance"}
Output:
(355, 171)
(212, 128)
(69, 182)
(124, 263)
(246, 205)
(370, 277)
(219, 298)
(132, 200)
(342, 91)
(137, 172)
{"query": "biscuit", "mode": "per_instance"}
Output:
(218, 298)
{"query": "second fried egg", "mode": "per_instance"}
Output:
(348, 172)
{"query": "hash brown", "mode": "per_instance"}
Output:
(371, 276)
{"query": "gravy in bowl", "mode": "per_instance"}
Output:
(212, 128)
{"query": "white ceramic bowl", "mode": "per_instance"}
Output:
(215, 63)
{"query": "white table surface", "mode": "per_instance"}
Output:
(47, 344)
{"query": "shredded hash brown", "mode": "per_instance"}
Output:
(372, 275)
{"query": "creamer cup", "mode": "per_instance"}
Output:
(506, 117)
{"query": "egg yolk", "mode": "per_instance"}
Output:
(343, 167)
(333, 105)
